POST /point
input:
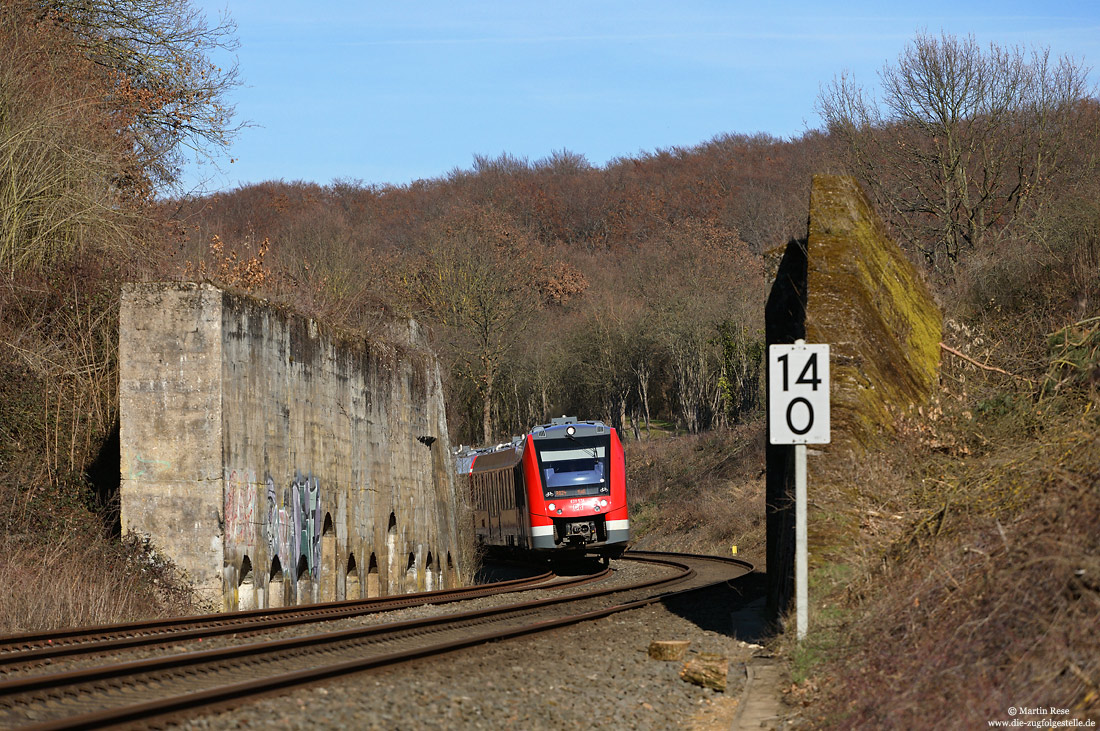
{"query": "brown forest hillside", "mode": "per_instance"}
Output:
(649, 272)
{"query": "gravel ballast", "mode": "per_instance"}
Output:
(593, 675)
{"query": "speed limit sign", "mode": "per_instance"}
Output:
(798, 394)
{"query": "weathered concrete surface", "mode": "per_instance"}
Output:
(761, 705)
(275, 463)
(850, 286)
(875, 310)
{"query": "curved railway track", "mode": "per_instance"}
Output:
(38, 648)
(154, 691)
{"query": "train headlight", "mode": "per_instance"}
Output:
(570, 431)
(551, 507)
(603, 503)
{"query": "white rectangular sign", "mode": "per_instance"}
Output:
(798, 394)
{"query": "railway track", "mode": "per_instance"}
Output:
(38, 648)
(155, 691)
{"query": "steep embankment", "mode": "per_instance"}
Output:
(973, 583)
(699, 493)
(955, 568)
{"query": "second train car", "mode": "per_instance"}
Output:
(560, 488)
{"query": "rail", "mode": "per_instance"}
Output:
(166, 687)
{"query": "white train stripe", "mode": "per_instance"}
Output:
(548, 530)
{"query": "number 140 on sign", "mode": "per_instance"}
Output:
(798, 394)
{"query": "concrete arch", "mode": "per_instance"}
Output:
(430, 573)
(327, 573)
(304, 581)
(351, 579)
(393, 558)
(374, 586)
(245, 572)
(410, 574)
(246, 585)
(275, 596)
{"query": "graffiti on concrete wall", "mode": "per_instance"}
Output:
(240, 506)
(144, 468)
(288, 524)
(276, 525)
(305, 500)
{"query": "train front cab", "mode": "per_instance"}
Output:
(576, 482)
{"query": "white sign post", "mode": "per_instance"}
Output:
(798, 414)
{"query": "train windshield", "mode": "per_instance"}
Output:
(574, 467)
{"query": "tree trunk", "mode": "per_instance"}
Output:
(487, 411)
(707, 670)
(518, 417)
(668, 649)
(643, 391)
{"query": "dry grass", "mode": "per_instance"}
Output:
(470, 554)
(79, 581)
(970, 579)
(992, 609)
(702, 493)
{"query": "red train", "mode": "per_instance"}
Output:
(560, 488)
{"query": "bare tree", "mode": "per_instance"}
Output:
(483, 277)
(963, 142)
(698, 278)
(601, 351)
(166, 89)
(57, 150)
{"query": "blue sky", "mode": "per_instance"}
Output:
(395, 91)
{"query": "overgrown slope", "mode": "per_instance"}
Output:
(973, 585)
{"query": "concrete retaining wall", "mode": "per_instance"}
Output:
(849, 285)
(274, 463)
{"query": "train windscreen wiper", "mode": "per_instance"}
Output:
(570, 431)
